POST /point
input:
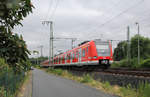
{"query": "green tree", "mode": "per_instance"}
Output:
(144, 47)
(13, 47)
(120, 51)
(14, 50)
(12, 12)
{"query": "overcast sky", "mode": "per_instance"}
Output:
(84, 20)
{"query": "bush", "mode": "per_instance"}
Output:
(145, 63)
(55, 71)
(86, 79)
(144, 90)
(58, 71)
(124, 63)
(106, 85)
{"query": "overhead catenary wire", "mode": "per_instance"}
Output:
(115, 17)
(49, 9)
(110, 8)
(54, 10)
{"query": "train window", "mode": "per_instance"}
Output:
(65, 57)
(76, 54)
(87, 50)
(61, 59)
(69, 56)
(83, 53)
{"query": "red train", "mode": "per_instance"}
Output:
(95, 52)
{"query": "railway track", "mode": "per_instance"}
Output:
(115, 71)
(130, 72)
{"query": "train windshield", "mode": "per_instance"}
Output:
(103, 48)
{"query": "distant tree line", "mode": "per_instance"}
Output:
(37, 61)
(120, 52)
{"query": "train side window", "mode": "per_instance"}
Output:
(67, 56)
(76, 54)
(61, 59)
(71, 55)
(58, 59)
(87, 50)
(83, 53)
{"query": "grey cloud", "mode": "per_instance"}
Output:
(83, 19)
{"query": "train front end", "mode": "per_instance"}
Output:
(104, 52)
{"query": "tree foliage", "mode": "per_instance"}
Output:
(144, 47)
(14, 50)
(12, 12)
(120, 51)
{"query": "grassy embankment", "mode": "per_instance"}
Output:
(142, 91)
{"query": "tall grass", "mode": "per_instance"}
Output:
(86, 79)
(144, 90)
